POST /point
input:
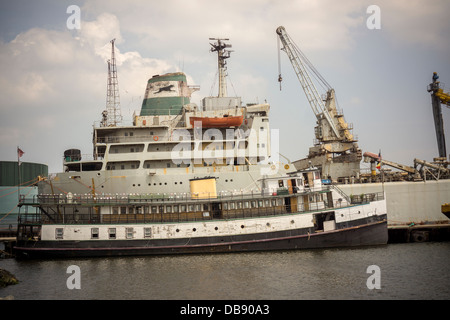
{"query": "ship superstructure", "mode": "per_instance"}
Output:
(173, 140)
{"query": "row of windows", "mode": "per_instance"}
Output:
(232, 205)
(112, 233)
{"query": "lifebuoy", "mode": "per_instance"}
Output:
(156, 138)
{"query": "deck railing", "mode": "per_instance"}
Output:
(151, 208)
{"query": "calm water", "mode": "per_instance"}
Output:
(408, 271)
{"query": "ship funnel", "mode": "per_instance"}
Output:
(166, 94)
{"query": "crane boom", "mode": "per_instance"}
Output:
(297, 59)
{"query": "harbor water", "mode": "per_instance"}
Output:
(401, 271)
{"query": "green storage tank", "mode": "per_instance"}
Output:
(166, 95)
(9, 193)
(9, 172)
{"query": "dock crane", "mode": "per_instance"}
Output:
(438, 97)
(334, 140)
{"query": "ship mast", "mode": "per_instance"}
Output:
(112, 116)
(222, 54)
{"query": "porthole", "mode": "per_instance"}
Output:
(242, 226)
(194, 229)
(178, 230)
(216, 228)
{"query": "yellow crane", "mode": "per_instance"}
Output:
(438, 97)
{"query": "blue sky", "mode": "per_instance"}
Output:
(53, 80)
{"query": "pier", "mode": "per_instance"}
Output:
(419, 232)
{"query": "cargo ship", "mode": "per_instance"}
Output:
(187, 179)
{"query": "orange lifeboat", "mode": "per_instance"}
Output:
(218, 122)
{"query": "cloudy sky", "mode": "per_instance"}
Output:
(53, 79)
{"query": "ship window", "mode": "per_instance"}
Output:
(168, 209)
(175, 208)
(274, 203)
(129, 233)
(147, 232)
(183, 208)
(112, 233)
(232, 205)
(168, 164)
(94, 233)
(126, 134)
(130, 210)
(59, 233)
(245, 204)
(260, 203)
(131, 134)
(198, 207)
(131, 149)
(225, 206)
(191, 207)
(122, 167)
(123, 210)
(239, 205)
(115, 210)
(154, 209)
(266, 203)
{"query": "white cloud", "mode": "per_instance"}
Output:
(53, 86)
